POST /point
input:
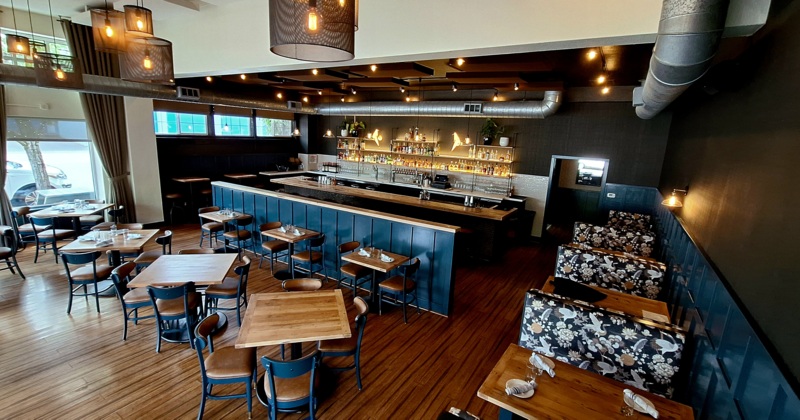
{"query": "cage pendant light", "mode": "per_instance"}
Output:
(313, 30)
(56, 70)
(17, 44)
(108, 28)
(138, 21)
(147, 60)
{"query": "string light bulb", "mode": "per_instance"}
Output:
(353, 91)
(402, 89)
(605, 90)
(305, 99)
(516, 86)
(494, 98)
(601, 79)
(319, 92)
(455, 87)
(312, 19)
(60, 74)
(108, 29)
(209, 79)
(243, 76)
(315, 72)
(147, 62)
(279, 95)
(459, 62)
(408, 97)
(226, 128)
(342, 98)
(591, 55)
(373, 67)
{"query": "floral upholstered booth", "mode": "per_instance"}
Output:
(627, 274)
(638, 352)
(630, 241)
(630, 221)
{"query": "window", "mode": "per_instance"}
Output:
(229, 125)
(590, 172)
(54, 45)
(174, 123)
(66, 156)
(271, 127)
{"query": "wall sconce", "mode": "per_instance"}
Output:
(673, 201)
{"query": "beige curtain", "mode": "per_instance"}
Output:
(5, 205)
(105, 117)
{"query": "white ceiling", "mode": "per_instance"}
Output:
(162, 9)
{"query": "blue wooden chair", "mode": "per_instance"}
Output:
(352, 274)
(85, 278)
(402, 287)
(45, 232)
(313, 256)
(130, 299)
(296, 388)
(231, 288)
(273, 247)
(227, 365)
(173, 305)
(210, 230)
(240, 233)
(8, 252)
(148, 257)
(336, 351)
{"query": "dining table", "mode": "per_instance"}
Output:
(371, 258)
(292, 236)
(223, 216)
(636, 306)
(72, 211)
(573, 393)
(119, 242)
(293, 318)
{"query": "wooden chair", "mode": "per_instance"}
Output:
(289, 385)
(115, 215)
(350, 272)
(148, 257)
(210, 230)
(231, 288)
(130, 299)
(8, 252)
(240, 233)
(48, 235)
(401, 286)
(87, 275)
(334, 352)
(302, 285)
(227, 365)
(312, 257)
(196, 251)
(272, 246)
(23, 228)
(172, 305)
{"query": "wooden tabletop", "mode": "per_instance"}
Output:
(289, 236)
(573, 393)
(72, 211)
(376, 263)
(119, 242)
(222, 218)
(637, 306)
(190, 179)
(484, 213)
(173, 270)
(293, 317)
(240, 176)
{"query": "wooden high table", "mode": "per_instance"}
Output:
(293, 318)
(376, 264)
(636, 306)
(291, 239)
(573, 393)
(69, 211)
(191, 180)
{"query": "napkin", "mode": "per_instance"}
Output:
(639, 403)
(522, 387)
(540, 363)
(86, 238)
(386, 258)
(105, 243)
(282, 229)
(297, 232)
(363, 252)
(134, 236)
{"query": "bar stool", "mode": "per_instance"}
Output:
(176, 201)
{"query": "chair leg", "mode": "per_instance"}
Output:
(96, 297)
(248, 395)
(358, 370)
(158, 336)
(380, 302)
(55, 251)
(36, 257)
(124, 324)
(69, 304)
(202, 235)
(202, 401)
(405, 321)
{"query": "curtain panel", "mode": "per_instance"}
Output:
(105, 117)
(5, 204)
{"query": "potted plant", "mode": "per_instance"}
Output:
(344, 128)
(357, 129)
(490, 130)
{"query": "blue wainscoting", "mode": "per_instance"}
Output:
(434, 247)
(731, 374)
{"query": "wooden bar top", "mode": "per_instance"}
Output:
(484, 213)
(241, 176)
(637, 306)
(573, 393)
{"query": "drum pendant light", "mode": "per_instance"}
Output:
(313, 30)
(108, 28)
(56, 70)
(147, 60)
(138, 21)
(18, 44)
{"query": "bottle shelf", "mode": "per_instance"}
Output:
(415, 141)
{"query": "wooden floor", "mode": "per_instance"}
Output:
(54, 365)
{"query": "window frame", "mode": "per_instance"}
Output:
(179, 124)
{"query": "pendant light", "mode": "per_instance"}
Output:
(18, 44)
(138, 21)
(36, 46)
(108, 28)
(57, 70)
(312, 30)
(147, 60)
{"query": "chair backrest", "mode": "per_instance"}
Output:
(302, 285)
(290, 369)
(80, 258)
(203, 335)
(242, 220)
(348, 247)
(196, 251)
(269, 226)
(10, 238)
(166, 242)
(317, 241)
(166, 293)
(411, 268)
(362, 308)
(121, 276)
(208, 209)
(243, 270)
(116, 213)
(41, 221)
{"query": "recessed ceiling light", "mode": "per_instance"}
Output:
(373, 67)
(459, 62)
(279, 95)
(342, 98)
(455, 87)
(606, 89)
(601, 79)
(209, 78)
(402, 89)
(516, 86)
(319, 92)
(305, 98)
(353, 90)
(243, 76)
(494, 98)
(408, 97)
(315, 72)
(591, 55)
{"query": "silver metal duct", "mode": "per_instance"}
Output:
(527, 109)
(688, 38)
(16, 75)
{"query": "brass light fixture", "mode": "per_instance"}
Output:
(17, 44)
(313, 30)
(108, 28)
(138, 21)
(55, 70)
(673, 201)
(148, 60)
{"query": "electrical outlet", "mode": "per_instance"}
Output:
(611, 195)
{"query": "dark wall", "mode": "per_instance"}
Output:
(634, 147)
(738, 151)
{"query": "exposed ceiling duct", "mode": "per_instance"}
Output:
(688, 38)
(520, 109)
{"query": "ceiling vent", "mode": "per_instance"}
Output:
(294, 105)
(472, 108)
(188, 94)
